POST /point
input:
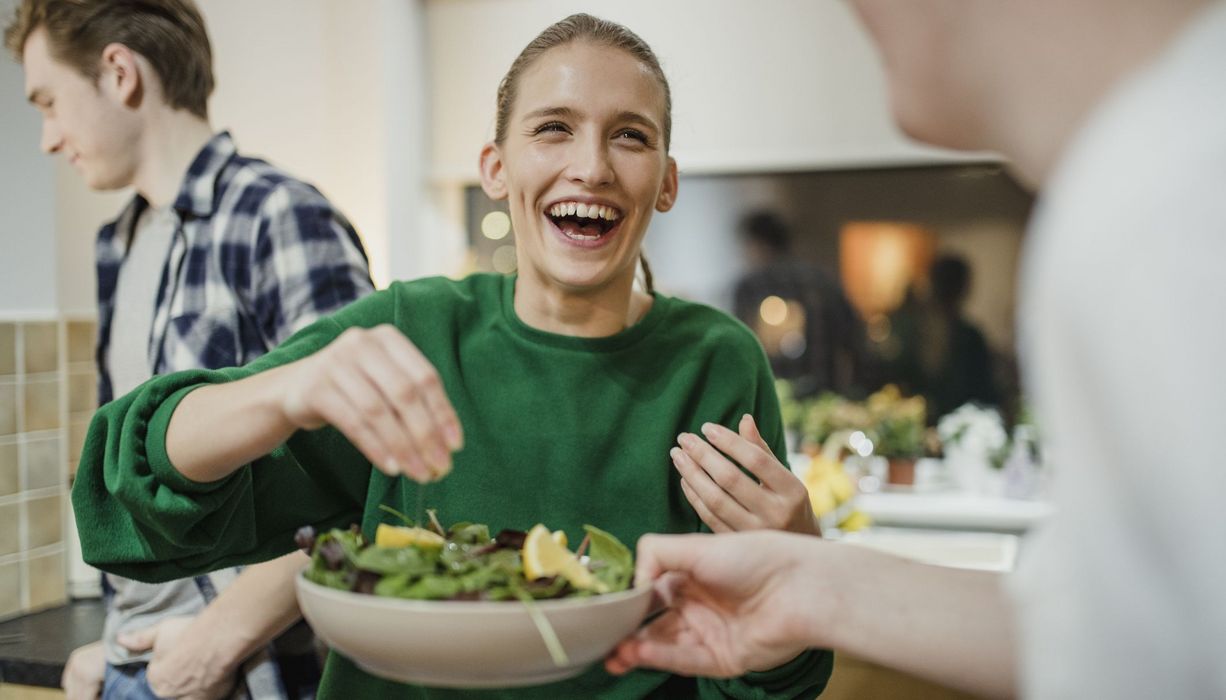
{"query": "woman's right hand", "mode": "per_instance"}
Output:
(376, 387)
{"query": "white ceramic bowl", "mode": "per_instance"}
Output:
(468, 644)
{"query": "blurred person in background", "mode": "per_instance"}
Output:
(217, 259)
(940, 354)
(811, 334)
(1115, 110)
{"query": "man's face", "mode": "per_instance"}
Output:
(931, 62)
(86, 122)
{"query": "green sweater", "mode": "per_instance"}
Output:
(558, 429)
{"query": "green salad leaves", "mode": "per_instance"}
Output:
(462, 562)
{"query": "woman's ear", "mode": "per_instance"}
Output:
(493, 176)
(121, 75)
(668, 193)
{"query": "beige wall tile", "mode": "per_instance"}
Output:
(82, 335)
(8, 469)
(10, 589)
(82, 392)
(42, 409)
(45, 522)
(8, 348)
(43, 463)
(9, 529)
(47, 581)
(76, 443)
(8, 407)
(41, 342)
(12, 691)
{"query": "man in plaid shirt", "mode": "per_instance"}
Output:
(216, 260)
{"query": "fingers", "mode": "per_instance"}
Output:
(727, 491)
(140, 640)
(363, 414)
(384, 395)
(749, 430)
(751, 453)
(84, 672)
(405, 394)
(667, 643)
(712, 520)
(430, 388)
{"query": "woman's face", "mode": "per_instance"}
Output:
(583, 166)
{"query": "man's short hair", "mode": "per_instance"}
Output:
(170, 34)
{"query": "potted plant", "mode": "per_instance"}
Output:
(896, 426)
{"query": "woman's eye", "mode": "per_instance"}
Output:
(550, 126)
(633, 134)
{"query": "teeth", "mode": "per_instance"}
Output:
(581, 237)
(587, 211)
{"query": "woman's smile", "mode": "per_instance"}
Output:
(584, 222)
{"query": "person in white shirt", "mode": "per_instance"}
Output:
(1117, 111)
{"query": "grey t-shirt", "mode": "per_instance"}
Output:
(138, 605)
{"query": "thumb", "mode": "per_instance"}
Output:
(749, 431)
(659, 554)
(139, 640)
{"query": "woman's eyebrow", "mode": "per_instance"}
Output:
(550, 112)
(631, 116)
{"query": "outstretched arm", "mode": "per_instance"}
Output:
(748, 601)
(372, 384)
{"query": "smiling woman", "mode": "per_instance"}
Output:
(559, 395)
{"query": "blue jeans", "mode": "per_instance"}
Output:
(126, 682)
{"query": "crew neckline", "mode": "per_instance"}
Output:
(618, 341)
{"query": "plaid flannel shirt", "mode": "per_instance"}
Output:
(255, 256)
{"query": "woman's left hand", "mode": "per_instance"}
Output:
(725, 497)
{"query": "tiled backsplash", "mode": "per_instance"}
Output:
(47, 395)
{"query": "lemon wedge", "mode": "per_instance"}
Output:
(545, 556)
(397, 536)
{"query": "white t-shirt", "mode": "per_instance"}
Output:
(1123, 329)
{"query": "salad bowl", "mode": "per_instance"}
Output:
(469, 644)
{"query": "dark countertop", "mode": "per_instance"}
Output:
(34, 648)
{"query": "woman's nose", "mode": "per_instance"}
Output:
(590, 163)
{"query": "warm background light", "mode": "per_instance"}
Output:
(504, 259)
(773, 310)
(878, 260)
(496, 225)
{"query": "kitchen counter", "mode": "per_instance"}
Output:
(984, 551)
(953, 511)
(34, 647)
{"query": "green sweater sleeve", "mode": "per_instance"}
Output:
(806, 675)
(138, 517)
